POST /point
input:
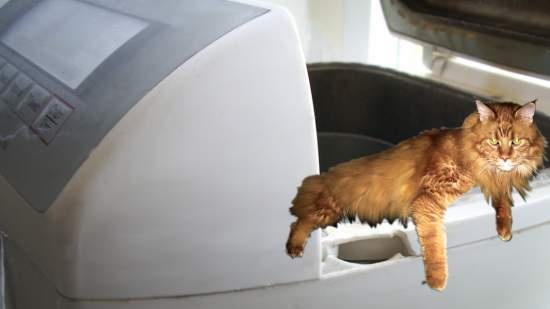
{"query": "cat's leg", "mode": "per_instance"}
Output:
(302, 228)
(315, 207)
(503, 209)
(299, 233)
(427, 214)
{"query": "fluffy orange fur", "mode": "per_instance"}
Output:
(498, 148)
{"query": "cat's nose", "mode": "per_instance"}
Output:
(505, 156)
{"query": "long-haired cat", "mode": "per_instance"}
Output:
(498, 148)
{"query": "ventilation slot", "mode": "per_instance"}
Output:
(373, 250)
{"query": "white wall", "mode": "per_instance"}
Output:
(351, 31)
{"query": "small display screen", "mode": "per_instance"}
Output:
(3, 2)
(69, 39)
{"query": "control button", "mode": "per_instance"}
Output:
(15, 92)
(10, 99)
(21, 84)
(3, 85)
(7, 73)
(52, 119)
(58, 111)
(45, 128)
(33, 103)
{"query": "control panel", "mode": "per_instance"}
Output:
(70, 70)
(39, 109)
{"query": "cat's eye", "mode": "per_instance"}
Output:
(493, 141)
(516, 141)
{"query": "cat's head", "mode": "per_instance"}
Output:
(505, 137)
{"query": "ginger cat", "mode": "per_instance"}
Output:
(498, 148)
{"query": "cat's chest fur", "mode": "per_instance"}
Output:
(447, 179)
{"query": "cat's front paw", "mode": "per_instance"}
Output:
(504, 224)
(437, 279)
(505, 234)
(294, 250)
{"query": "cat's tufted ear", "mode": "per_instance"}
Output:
(485, 113)
(527, 111)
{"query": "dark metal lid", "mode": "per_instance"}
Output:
(510, 33)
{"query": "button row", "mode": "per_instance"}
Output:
(51, 120)
(36, 107)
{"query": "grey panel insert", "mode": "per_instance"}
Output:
(177, 29)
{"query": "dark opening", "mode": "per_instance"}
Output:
(373, 250)
(363, 109)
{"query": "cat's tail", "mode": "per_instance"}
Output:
(315, 207)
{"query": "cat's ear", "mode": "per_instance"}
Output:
(527, 111)
(485, 113)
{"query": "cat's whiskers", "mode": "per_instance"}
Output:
(486, 169)
(488, 165)
(526, 168)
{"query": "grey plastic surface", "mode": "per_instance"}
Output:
(68, 53)
(3, 299)
(39, 153)
(336, 148)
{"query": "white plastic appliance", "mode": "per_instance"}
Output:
(148, 155)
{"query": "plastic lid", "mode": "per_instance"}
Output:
(510, 33)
